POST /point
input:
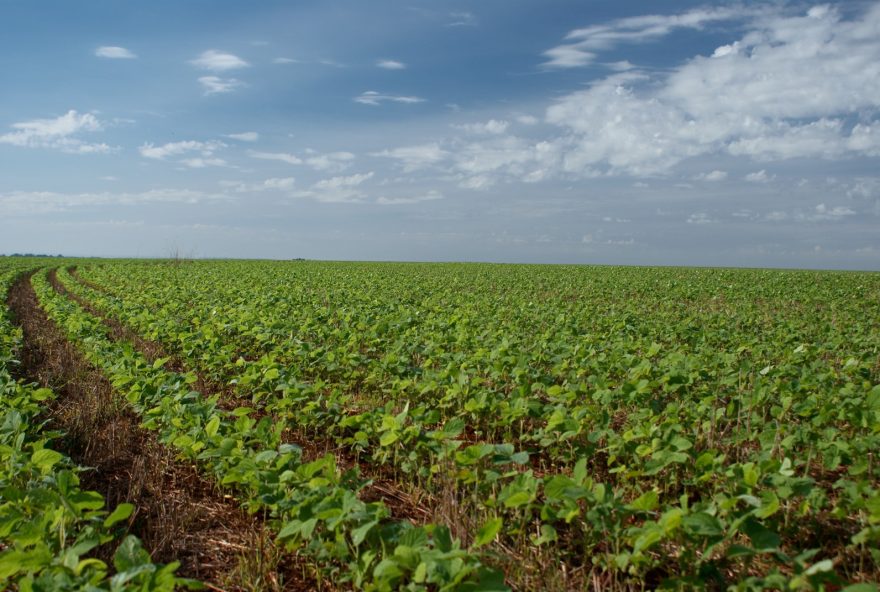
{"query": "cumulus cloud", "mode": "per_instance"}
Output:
(280, 156)
(40, 202)
(583, 45)
(462, 19)
(713, 176)
(331, 161)
(819, 213)
(218, 61)
(282, 183)
(326, 162)
(482, 164)
(114, 52)
(391, 65)
(162, 152)
(787, 89)
(338, 189)
(493, 126)
(245, 136)
(216, 85)
(375, 98)
(273, 184)
(759, 177)
(699, 218)
(416, 157)
(57, 133)
(822, 212)
(397, 201)
(200, 163)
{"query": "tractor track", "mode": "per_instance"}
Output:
(180, 515)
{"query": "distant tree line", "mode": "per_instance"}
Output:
(29, 255)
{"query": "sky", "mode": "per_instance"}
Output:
(535, 131)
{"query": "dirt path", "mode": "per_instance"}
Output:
(180, 515)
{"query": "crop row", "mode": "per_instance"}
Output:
(313, 505)
(729, 429)
(50, 528)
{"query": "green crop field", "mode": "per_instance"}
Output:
(471, 426)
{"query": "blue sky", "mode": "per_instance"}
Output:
(519, 131)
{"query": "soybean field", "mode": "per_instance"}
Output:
(406, 426)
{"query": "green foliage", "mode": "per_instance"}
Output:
(682, 427)
(49, 526)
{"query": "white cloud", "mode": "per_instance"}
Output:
(162, 152)
(527, 119)
(493, 126)
(416, 157)
(57, 133)
(583, 45)
(218, 61)
(279, 183)
(621, 66)
(114, 52)
(759, 177)
(216, 85)
(273, 184)
(822, 212)
(864, 188)
(332, 161)
(374, 98)
(391, 65)
(713, 176)
(787, 91)
(245, 136)
(476, 182)
(200, 163)
(282, 156)
(39, 202)
(462, 19)
(338, 189)
(568, 56)
(396, 201)
(285, 61)
(699, 218)
(337, 182)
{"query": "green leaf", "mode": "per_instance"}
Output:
(388, 438)
(360, 533)
(130, 555)
(646, 502)
(702, 524)
(763, 539)
(487, 532)
(122, 512)
(863, 587)
(45, 458)
(520, 498)
(212, 426)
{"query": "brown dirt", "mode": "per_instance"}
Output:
(180, 515)
(152, 350)
(401, 504)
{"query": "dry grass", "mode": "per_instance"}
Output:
(180, 515)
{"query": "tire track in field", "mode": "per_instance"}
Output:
(180, 516)
(383, 488)
(419, 506)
